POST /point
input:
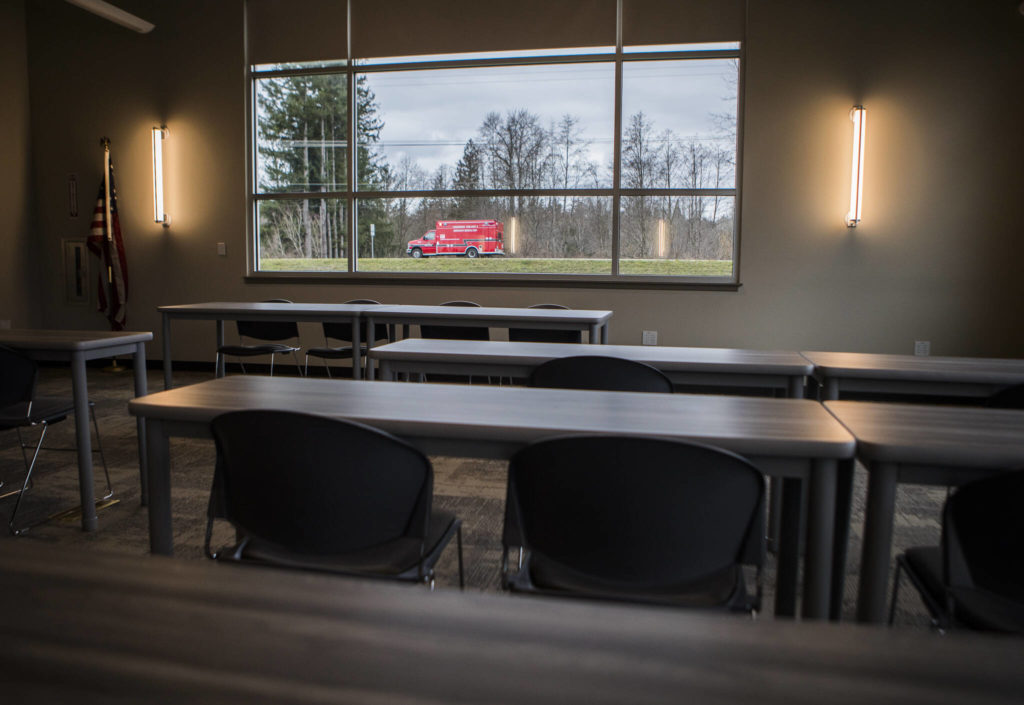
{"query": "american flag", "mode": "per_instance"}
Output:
(107, 244)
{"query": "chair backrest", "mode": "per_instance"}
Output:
(317, 486)
(544, 335)
(456, 332)
(983, 536)
(1009, 398)
(343, 331)
(269, 330)
(641, 511)
(18, 375)
(598, 372)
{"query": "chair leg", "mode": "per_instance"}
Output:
(895, 592)
(458, 542)
(24, 487)
(271, 364)
(296, 356)
(30, 467)
(103, 458)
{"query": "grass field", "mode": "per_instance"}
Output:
(508, 265)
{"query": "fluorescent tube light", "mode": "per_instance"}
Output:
(859, 117)
(114, 14)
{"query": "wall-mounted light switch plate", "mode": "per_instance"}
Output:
(650, 337)
(222, 249)
(922, 348)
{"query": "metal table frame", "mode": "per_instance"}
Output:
(76, 348)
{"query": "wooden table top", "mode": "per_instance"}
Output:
(90, 627)
(69, 340)
(980, 370)
(749, 425)
(662, 357)
(934, 434)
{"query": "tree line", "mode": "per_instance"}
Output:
(301, 147)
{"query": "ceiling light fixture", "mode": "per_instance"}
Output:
(114, 14)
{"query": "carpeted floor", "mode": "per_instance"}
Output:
(473, 489)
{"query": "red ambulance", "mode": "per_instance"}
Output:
(471, 238)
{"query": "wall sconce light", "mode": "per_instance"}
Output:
(859, 117)
(159, 135)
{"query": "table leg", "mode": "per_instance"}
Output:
(139, 365)
(841, 538)
(221, 364)
(168, 381)
(788, 562)
(820, 527)
(774, 513)
(357, 346)
(874, 563)
(796, 387)
(385, 371)
(80, 392)
(831, 389)
(161, 538)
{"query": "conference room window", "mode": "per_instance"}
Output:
(502, 165)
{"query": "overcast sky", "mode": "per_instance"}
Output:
(430, 114)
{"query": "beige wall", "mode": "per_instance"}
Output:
(936, 258)
(17, 265)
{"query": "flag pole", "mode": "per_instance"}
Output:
(113, 367)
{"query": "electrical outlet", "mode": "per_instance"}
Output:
(650, 337)
(222, 249)
(922, 348)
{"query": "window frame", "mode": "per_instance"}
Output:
(351, 195)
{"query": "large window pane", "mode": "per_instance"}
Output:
(538, 235)
(677, 236)
(679, 123)
(504, 127)
(300, 133)
(301, 235)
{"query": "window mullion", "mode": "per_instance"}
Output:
(617, 142)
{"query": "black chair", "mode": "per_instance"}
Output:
(456, 332)
(544, 335)
(634, 519)
(1009, 398)
(343, 331)
(271, 332)
(612, 374)
(314, 493)
(975, 578)
(21, 408)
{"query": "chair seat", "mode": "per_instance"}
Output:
(975, 608)
(980, 609)
(253, 350)
(397, 559)
(722, 588)
(44, 409)
(344, 351)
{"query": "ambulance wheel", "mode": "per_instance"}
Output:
(417, 253)
(472, 253)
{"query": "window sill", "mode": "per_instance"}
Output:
(518, 280)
